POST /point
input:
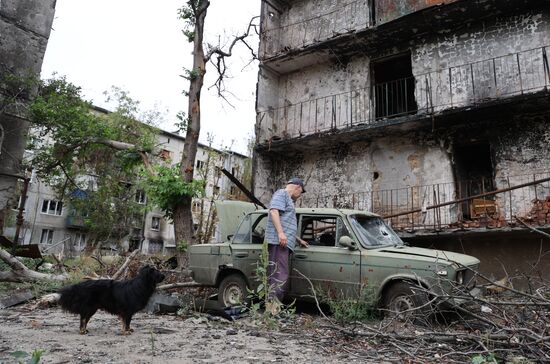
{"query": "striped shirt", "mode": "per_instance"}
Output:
(281, 201)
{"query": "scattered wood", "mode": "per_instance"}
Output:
(20, 273)
(16, 298)
(179, 285)
(122, 269)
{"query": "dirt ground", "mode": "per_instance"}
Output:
(156, 339)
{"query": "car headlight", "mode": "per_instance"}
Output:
(460, 277)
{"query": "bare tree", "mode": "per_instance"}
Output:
(194, 14)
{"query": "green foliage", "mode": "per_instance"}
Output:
(70, 140)
(344, 309)
(34, 359)
(166, 188)
(183, 121)
(75, 133)
(182, 246)
(484, 359)
(260, 297)
(15, 88)
(188, 13)
(190, 75)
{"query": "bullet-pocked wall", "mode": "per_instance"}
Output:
(492, 52)
(359, 168)
(302, 23)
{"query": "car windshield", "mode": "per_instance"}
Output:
(373, 232)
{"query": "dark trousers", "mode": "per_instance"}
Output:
(278, 271)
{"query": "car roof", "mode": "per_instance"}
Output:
(328, 210)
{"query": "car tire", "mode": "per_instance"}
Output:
(407, 302)
(233, 291)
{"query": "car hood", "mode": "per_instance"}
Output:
(230, 214)
(440, 255)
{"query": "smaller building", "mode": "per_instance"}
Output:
(56, 226)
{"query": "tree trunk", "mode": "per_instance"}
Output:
(24, 40)
(183, 217)
(20, 273)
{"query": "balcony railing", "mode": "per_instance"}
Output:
(411, 208)
(353, 16)
(424, 94)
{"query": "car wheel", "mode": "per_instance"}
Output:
(405, 301)
(233, 291)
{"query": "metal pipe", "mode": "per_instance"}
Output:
(470, 198)
(20, 218)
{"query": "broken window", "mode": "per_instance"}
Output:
(394, 86)
(140, 197)
(46, 237)
(155, 223)
(52, 207)
(474, 174)
(79, 241)
(165, 154)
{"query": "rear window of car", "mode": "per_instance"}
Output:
(251, 230)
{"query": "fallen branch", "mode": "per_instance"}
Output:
(122, 269)
(178, 285)
(531, 228)
(20, 273)
(314, 294)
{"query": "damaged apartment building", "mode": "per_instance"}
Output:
(433, 114)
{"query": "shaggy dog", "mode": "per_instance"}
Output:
(121, 298)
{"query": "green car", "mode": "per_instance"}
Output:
(349, 250)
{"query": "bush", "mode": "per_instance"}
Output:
(362, 308)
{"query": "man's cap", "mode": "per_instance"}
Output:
(297, 181)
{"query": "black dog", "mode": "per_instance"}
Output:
(121, 298)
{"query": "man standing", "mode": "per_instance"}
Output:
(281, 236)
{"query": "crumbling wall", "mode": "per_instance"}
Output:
(522, 155)
(493, 59)
(354, 175)
(303, 23)
(314, 99)
(388, 10)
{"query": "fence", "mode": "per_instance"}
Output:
(352, 16)
(424, 94)
(435, 206)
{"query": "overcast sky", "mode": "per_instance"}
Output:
(138, 46)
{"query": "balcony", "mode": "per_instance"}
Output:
(289, 42)
(348, 18)
(422, 97)
(452, 206)
(75, 222)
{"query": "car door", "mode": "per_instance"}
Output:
(246, 245)
(332, 269)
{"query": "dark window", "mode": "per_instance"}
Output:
(394, 86)
(46, 237)
(52, 207)
(319, 230)
(474, 174)
(155, 223)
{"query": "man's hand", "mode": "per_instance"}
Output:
(303, 243)
(283, 240)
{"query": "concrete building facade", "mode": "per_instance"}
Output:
(398, 107)
(51, 223)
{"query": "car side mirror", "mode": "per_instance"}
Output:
(347, 242)
(229, 237)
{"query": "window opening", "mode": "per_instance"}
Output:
(394, 86)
